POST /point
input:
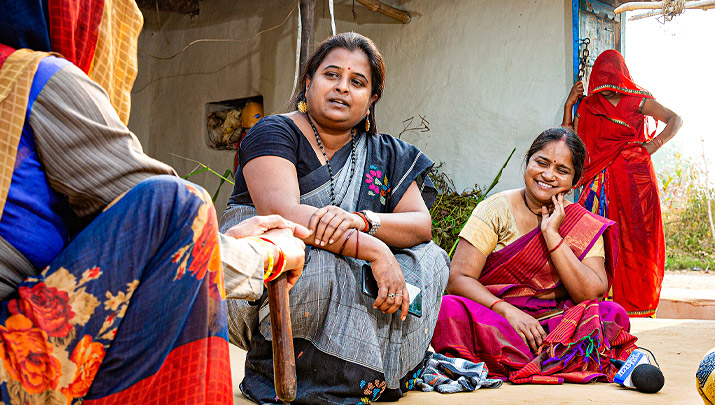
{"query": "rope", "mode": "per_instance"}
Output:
(672, 8)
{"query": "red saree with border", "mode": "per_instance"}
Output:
(620, 184)
(580, 341)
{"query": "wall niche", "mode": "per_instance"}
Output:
(228, 121)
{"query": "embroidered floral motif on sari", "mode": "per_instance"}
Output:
(378, 185)
(372, 391)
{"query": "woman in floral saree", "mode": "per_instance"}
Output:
(619, 182)
(527, 275)
(366, 196)
(111, 280)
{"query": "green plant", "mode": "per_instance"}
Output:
(226, 177)
(451, 209)
(685, 196)
(687, 233)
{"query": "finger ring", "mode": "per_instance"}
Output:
(398, 294)
(390, 295)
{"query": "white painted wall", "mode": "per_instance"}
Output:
(489, 75)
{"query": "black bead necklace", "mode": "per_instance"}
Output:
(539, 214)
(327, 161)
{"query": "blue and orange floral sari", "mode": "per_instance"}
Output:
(131, 311)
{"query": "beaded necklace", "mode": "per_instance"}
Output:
(538, 215)
(327, 161)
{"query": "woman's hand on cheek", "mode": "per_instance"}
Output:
(330, 223)
(552, 222)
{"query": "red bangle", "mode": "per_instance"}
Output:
(555, 247)
(496, 302)
(345, 242)
(280, 266)
(364, 219)
(357, 244)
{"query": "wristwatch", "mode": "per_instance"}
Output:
(373, 220)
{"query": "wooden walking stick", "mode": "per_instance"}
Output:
(283, 356)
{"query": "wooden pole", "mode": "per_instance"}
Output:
(284, 378)
(307, 18)
(376, 5)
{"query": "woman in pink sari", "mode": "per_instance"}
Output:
(527, 277)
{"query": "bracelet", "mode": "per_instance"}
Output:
(352, 231)
(555, 247)
(280, 266)
(658, 141)
(364, 218)
(496, 302)
(269, 271)
(357, 244)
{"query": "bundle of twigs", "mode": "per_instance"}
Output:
(452, 209)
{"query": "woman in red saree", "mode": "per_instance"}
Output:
(619, 181)
(528, 305)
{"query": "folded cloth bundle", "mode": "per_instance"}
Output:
(448, 375)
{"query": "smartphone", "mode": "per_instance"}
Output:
(370, 288)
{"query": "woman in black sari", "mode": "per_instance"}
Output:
(365, 196)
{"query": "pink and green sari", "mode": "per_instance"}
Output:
(580, 341)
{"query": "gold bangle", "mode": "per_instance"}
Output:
(280, 265)
(271, 260)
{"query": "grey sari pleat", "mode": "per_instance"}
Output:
(327, 305)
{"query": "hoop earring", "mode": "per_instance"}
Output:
(303, 106)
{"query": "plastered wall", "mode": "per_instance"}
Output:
(488, 76)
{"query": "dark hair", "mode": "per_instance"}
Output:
(351, 41)
(573, 142)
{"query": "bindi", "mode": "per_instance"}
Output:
(348, 67)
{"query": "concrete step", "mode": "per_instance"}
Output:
(687, 295)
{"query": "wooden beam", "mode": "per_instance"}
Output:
(655, 5)
(307, 18)
(376, 5)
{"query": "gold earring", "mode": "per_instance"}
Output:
(367, 124)
(302, 106)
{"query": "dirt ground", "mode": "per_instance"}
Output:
(679, 345)
(688, 279)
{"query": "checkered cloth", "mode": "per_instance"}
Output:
(448, 375)
(16, 73)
